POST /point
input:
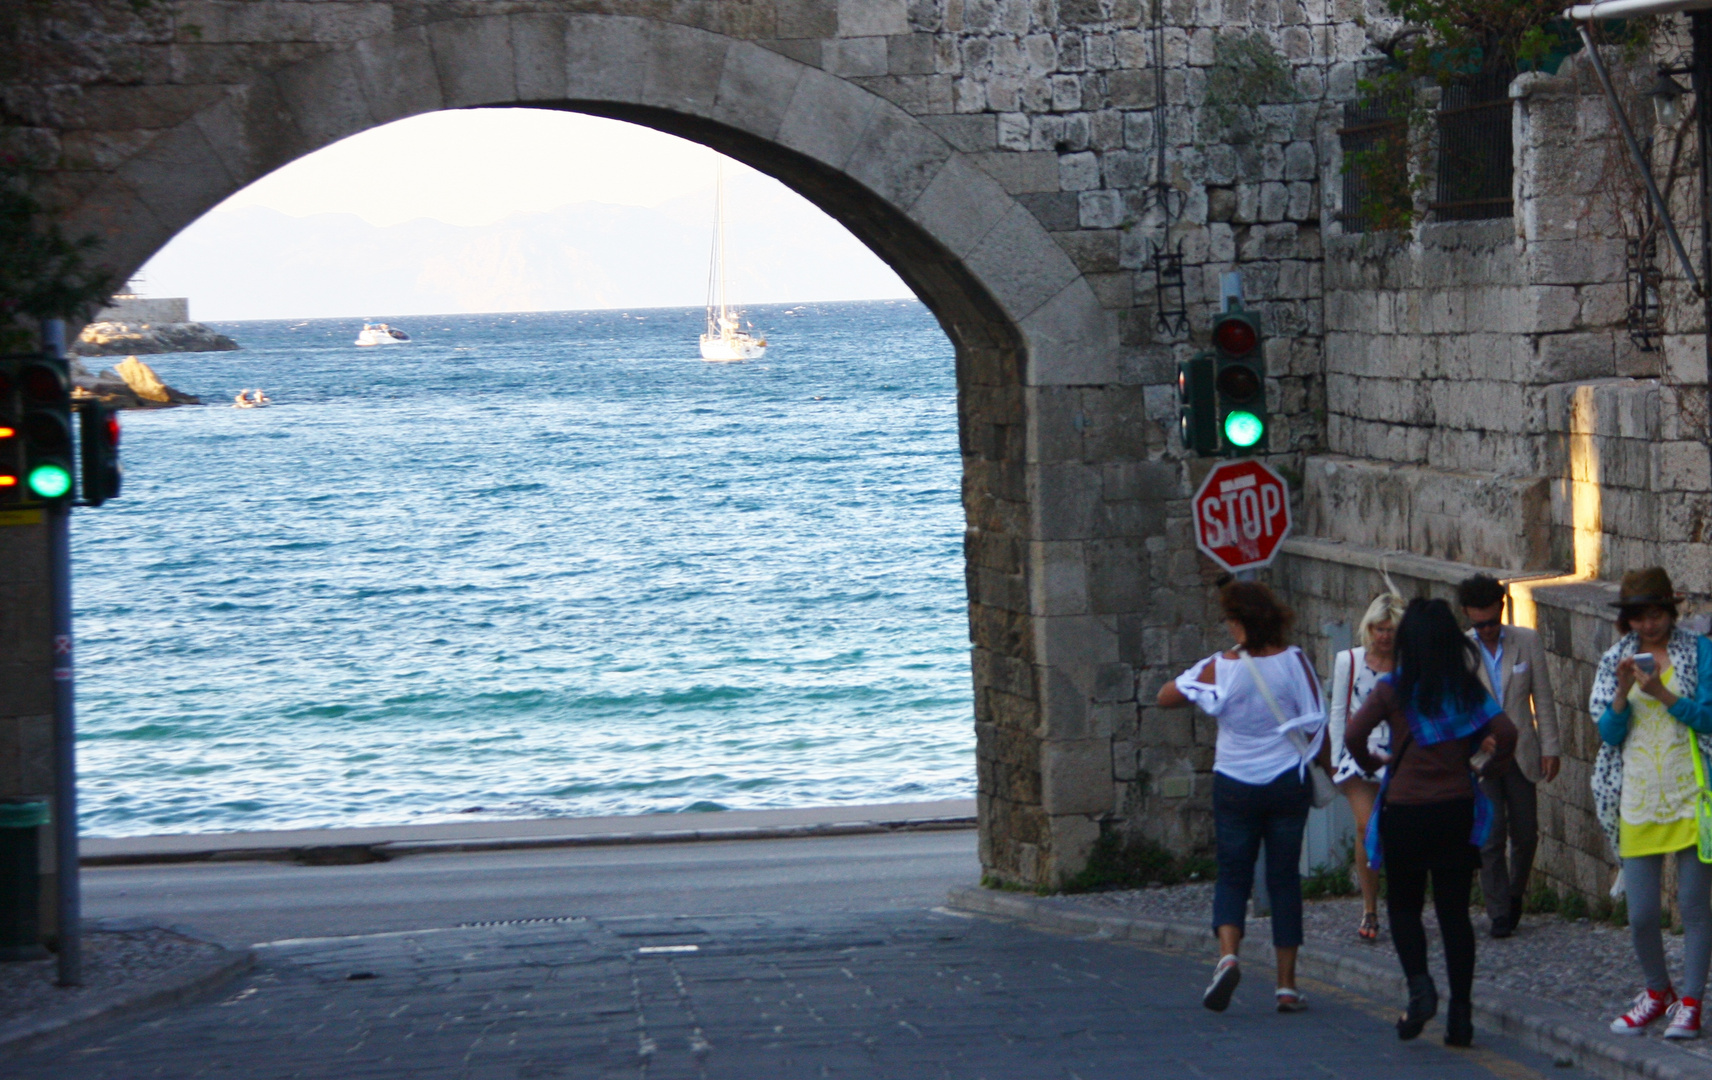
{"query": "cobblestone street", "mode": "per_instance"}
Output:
(898, 994)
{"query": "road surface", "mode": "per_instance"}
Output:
(737, 961)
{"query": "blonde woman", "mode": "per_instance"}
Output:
(1354, 674)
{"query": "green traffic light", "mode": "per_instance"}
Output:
(1243, 428)
(50, 481)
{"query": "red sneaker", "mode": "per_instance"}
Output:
(1684, 1020)
(1648, 1006)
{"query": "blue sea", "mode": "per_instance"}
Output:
(530, 565)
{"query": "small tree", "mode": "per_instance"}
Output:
(44, 273)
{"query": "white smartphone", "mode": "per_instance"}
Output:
(1645, 662)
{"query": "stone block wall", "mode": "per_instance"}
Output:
(137, 309)
(1631, 484)
(1486, 407)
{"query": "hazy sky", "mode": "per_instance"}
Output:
(477, 168)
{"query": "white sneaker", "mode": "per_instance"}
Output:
(1648, 1007)
(1225, 978)
(1684, 1020)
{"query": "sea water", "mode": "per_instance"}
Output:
(530, 565)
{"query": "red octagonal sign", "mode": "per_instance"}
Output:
(1242, 514)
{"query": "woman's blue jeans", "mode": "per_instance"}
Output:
(1243, 816)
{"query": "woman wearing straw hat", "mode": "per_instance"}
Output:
(1652, 696)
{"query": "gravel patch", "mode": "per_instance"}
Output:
(1585, 965)
(112, 960)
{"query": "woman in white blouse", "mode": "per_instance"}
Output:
(1354, 674)
(1266, 699)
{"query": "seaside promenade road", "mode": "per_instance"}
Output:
(246, 902)
(754, 961)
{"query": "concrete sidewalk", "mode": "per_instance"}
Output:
(130, 967)
(1541, 1025)
(378, 844)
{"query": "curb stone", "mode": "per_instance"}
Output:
(1543, 1026)
(352, 854)
(188, 980)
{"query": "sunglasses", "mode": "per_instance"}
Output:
(1486, 624)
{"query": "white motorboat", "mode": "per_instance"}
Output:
(726, 337)
(381, 334)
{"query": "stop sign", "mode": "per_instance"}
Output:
(1242, 514)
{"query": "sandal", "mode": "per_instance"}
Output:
(1368, 931)
(1290, 1000)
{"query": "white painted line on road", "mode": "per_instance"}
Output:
(649, 949)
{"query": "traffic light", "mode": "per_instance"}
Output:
(11, 446)
(99, 434)
(1196, 421)
(1240, 383)
(35, 431)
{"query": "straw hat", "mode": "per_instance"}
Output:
(1646, 588)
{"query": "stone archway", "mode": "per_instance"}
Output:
(1051, 680)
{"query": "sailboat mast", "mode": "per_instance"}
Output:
(719, 183)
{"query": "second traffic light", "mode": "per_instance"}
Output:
(1197, 419)
(1239, 383)
(102, 477)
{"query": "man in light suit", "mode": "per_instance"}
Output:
(1513, 667)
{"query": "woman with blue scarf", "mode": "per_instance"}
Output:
(1431, 817)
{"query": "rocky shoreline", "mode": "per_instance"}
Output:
(146, 339)
(131, 384)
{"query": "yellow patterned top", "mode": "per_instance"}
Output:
(1657, 814)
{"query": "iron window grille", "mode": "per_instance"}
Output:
(1645, 318)
(1476, 157)
(1377, 124)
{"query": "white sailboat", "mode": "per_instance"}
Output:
(725, 338)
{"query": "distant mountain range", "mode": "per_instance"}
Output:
(252, 262)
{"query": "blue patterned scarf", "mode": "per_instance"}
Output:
(1429, 730)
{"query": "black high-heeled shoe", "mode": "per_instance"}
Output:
(1459, 1024)
(1423, 1006)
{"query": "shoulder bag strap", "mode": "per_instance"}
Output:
(1295, 737)
(1265, 690)
(1349, 693)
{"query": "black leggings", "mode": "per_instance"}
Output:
(1423, 839)
(1406, 886)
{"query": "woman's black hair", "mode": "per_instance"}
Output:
(1435, 661)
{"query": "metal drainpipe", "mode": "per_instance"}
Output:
(68, 889)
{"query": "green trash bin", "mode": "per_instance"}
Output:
(21, 880)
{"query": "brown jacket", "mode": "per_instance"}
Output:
(1428, 774)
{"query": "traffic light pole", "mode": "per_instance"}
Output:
(68, 892)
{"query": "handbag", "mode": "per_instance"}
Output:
(1324, 790)
(1702, 803)
(1375, 847)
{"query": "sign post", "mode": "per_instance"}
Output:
(1242, 514)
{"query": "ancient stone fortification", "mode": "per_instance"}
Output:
(1462, 393)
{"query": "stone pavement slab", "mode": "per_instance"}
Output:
(901, 994)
